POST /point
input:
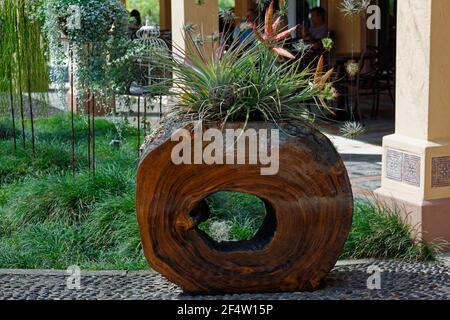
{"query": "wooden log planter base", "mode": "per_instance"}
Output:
(309, 207)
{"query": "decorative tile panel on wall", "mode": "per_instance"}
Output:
(403, 167)
(411, 169)
(440, 172)
(394, 161)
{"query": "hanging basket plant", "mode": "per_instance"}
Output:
(252, 87)
(97, 33)
(354, 7)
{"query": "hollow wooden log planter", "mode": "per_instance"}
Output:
(309, 207)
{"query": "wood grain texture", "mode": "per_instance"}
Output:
(309, 213)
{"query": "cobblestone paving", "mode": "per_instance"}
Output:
(398, 281)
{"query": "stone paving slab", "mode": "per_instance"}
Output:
(347, 281)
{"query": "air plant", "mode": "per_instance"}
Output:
(302, 47)
(245, 81)
(352, 68)
(215, 36)
(352, 129)
(272, 35)
(321, 84)
(327, 43)
(220, 231)
(199, 40)
(227, 16)
(354, 7)
(189, 27)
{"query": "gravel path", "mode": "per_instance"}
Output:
(347, 281)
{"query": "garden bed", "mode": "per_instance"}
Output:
(51, 220)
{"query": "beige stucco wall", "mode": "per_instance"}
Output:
(204, 16)
(420, 149)
(439, 98)
(413, 61)
(423, 64)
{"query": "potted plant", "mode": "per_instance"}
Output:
(252, 92)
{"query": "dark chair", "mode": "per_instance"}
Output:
(384, 77)
(376, 76)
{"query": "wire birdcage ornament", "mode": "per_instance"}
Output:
(155, 74)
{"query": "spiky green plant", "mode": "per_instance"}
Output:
(246, 82)
(382, 231)
(352, 129)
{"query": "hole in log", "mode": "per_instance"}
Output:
(233, 221)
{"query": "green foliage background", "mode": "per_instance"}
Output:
(151, 9)
(148, 8)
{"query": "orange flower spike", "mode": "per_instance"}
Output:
(276, 24)
(283, 35)
(269, 20)
(325, 78)
(319, 70)
(283, 52)
(258, 36)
